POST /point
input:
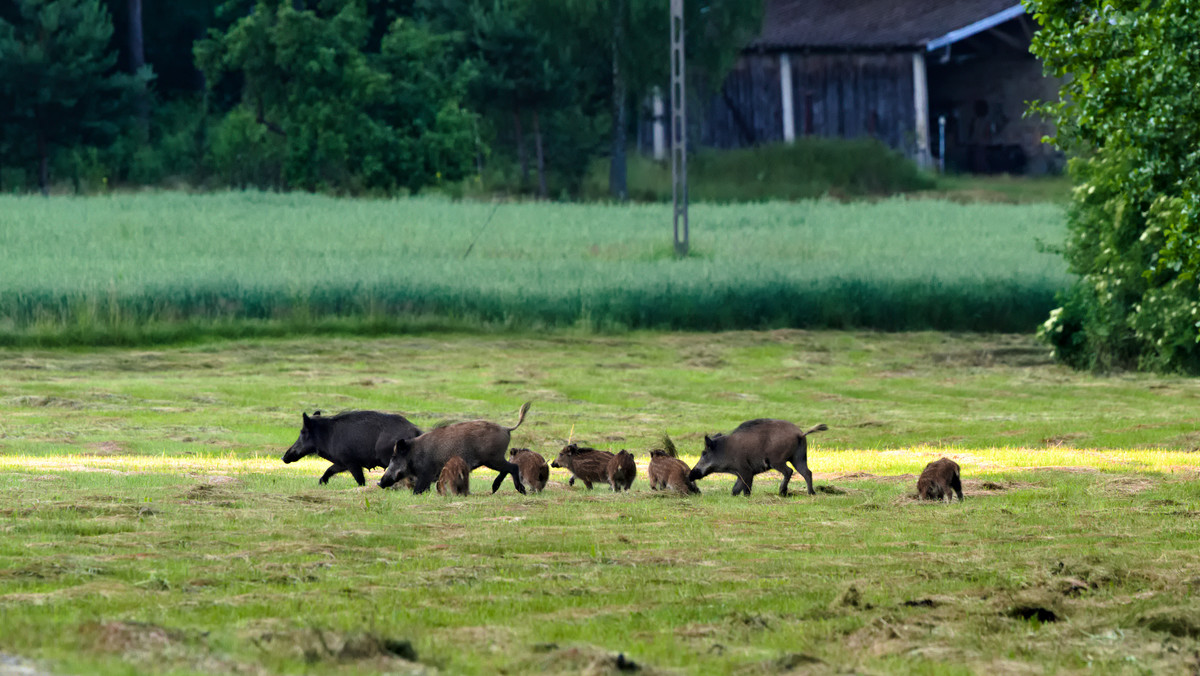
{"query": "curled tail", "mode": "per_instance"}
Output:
(521, 418)
(821, 427)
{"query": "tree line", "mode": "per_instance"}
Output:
(348, 96)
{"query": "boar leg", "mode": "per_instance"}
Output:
(787, 476)
(420, 485)
(802, 468)
(586, 483)
(956, 484)
(333, 469)
(743, 485)
(572, 481)
(505, 468)
(357, 473)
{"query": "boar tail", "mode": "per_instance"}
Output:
(521, 416)
(815, 428)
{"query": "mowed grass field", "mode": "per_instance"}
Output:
(149, 526)
(146, 268)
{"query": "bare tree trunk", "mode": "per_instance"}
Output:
(521, 156)
(541, 159)
(43, 164)
(616, 170)
(137, 59)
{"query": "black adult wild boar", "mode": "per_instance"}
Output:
(477, 442)
(455, 478)
(352, 441)
(586, 464)
(939, 478)
(754, 447)
(670, 473)
(621, 471)
(534, 470)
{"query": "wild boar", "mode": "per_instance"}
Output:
(352, 441)
(670, 473)
(755, 447)
(586, 464)
(455, 478)
(477, 442)
(938, 479)
(620, 471)
(534, 470)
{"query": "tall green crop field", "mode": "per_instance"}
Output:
(121, 268)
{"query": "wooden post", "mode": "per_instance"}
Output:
(679, 188)
(785, 91)
(921, 108)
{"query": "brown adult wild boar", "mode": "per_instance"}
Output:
(586, 464)
(477, 442)
(670, 473)
(455, 478)
(939, 478)
(621, 471)
(755, 447)
(534, 470)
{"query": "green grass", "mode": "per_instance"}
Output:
(149, 526)
(128, 269)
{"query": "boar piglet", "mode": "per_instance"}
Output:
(670, 473)
(620, 471)
(477, 442)
(455, 478)
(586, 464)
(755, 447)
(938, 480)
(352, 441)
(534, 470)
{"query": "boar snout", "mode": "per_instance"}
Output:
(293, 454)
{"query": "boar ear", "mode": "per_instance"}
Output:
(707, 441)
(306, 419)
(316, 413)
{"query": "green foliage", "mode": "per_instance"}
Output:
(811, 167)
(346, 118)
(57, 85)
(1131, 110)
(297, 258)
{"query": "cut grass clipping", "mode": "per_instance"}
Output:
(128, 269)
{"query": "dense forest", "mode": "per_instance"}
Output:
(347, 96)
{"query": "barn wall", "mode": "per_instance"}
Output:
(843, 95)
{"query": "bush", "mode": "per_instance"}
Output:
(1131, 112)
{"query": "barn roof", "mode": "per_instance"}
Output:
(878, 24)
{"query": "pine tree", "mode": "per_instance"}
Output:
(58, 85)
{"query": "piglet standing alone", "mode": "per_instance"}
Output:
(755, 447)
(352, 441)
(455, 478)
(477, 442)
(621, 471)
(586, 464)
(534, 470)
(939, 479)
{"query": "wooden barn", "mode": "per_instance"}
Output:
(937, 79)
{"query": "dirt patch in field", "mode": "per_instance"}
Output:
(107, 448)
(585, 660)
(1127, 485)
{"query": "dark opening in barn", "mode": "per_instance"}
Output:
(940, 80)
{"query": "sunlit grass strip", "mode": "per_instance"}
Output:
(889, 462)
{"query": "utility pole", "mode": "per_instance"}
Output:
(679, 185)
